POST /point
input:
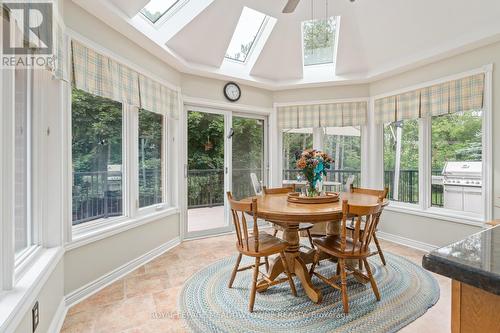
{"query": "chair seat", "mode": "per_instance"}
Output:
(332, 245)
(267, 245)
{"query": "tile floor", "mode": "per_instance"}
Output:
(145, 300)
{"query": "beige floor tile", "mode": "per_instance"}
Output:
(145, 301)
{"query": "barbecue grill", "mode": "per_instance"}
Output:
(462, 183)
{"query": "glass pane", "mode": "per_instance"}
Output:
(294, 143)
(319, 41)
(150, 158)
(248, 155)
(155, 9)
(343, 144)
(245, 34)
(401, 160)
(205, 171)
(456, 137)
(97, 157)
(22, 220)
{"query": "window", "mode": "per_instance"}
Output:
(22, 219)
(294, 143)
(344, 145)
(151, 158)
(155, 9)
(97, 157)
(457, 140)
(319, 41)
(244, 37)
(401, 160)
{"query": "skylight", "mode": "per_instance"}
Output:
(319, 41)
(155, 9)
(244, 37)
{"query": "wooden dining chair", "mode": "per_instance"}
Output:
(380, 194)
(256, 245)
(304, 227)
(356, 247)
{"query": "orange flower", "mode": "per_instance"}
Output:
(301, 163)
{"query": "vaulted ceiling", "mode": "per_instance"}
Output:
(376, 37)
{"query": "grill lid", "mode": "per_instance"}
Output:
(463, 169)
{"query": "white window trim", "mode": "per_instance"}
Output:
(423, 208)
(258, 37)
(132, 216)
(176, 7)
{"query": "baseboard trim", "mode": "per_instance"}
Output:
(58, 319)
(105, 280)
(406, 241)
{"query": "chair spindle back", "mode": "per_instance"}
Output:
(367, 215)
(239, 210)
(279, 190)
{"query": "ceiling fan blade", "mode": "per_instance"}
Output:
(290, 6)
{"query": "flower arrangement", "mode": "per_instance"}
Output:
(313, 165)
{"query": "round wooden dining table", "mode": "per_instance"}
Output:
(275, 208)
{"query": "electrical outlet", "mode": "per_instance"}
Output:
(35, 315)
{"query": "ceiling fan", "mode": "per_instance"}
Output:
(291, 5)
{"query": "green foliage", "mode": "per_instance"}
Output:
(97, 132)
(409, 146)
(150, 157)
(319, 41)
(293, 145)
(348, 156)
(456, 137)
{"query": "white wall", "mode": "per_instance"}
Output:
(322, 93)
(81, 266)
(212, 89)
(49, 298)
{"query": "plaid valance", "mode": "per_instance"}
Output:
(102, 76)
(323, 115)
(448, 97)
(155, 97)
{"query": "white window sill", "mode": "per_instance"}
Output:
(15, 303)
(437, 213)
(82, 236)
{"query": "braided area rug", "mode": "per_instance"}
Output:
(208, 305)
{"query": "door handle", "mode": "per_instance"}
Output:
(185, 171)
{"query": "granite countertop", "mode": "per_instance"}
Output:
(474, 260)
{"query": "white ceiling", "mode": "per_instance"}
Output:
(376, 38)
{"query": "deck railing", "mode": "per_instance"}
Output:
(99, 194)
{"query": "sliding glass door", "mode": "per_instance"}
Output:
(223, 151)
(206, 172)
(247, 155)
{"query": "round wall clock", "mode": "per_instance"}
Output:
(232, 91)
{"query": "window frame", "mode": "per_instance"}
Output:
(424, 207)
(255, 41)
(422, 195)
(86, 233)
(336, 35)
(174, 9)
(165, 151)
(366, 140)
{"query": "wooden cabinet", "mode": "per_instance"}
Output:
(474, 310)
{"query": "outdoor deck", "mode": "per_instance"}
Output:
(206, 218)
